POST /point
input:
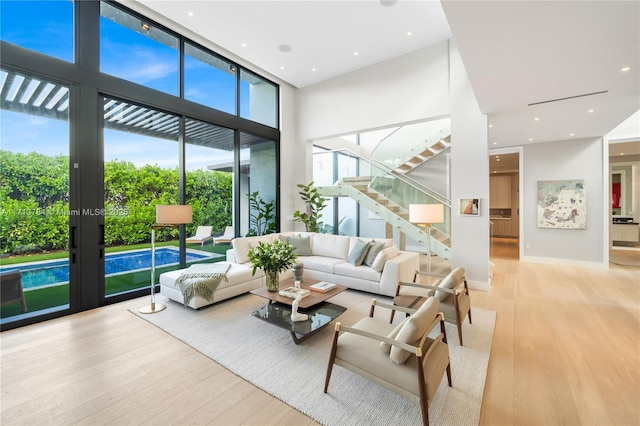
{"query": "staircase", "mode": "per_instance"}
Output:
(361, 189)
(419, 156)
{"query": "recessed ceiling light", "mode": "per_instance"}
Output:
(530, 139)
(313, 69)
(409, 33)
(591, 110)
(495, 171)
(497, 159)
(244, 44)
(190, 13)
(490, 125)
(572, 134)
(281, 67)
(495, 143)
(284, 48)
(146, 26)
(625, 69)
(355, 53)
(622, 153)
(536, 119)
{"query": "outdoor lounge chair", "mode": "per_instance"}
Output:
(11, 289)
(203, 234)
(226, 237)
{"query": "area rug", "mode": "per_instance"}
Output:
(266, 356)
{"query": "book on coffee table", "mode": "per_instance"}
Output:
(293, 292)
(322, 287)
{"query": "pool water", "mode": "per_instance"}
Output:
(56, 272)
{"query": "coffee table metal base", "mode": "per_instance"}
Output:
(320, 316)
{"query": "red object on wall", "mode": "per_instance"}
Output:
(615, 195)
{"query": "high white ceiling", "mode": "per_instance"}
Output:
(325, 38)
(516, 52)
(519, 53)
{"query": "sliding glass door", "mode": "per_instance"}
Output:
(141, 169)
(34, 196)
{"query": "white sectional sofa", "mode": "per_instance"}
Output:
(325, 257)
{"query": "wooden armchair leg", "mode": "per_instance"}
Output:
(332, 357)
(460, 332)
(469, 315)
(449, 374)
(393, 313)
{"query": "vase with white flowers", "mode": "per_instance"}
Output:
(272, 258)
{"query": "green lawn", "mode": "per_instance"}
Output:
(49, 297)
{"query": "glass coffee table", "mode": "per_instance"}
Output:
(320, 312)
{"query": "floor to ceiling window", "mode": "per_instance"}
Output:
(144, 126)
(135, 50)
(209, 166)
(258, 185)
(140, 171)
(42, 26)
(209, 79)
(34, 195)
(258, 99)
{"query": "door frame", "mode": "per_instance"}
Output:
(521, 213)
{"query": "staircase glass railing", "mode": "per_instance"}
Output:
(398, 188)
(417, 147)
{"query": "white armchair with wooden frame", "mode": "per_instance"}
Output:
(451, 290)
(402, 358)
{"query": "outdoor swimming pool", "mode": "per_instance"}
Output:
(56, 272)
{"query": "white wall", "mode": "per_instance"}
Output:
(409, 88)
(569, 159)
(292, 155)
(406, 89)
(469, 176)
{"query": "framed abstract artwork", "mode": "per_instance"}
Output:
(562, 204)
(469, 207)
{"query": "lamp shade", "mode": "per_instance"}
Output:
(426, 213)
(173, 215)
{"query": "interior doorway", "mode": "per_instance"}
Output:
(504, 203)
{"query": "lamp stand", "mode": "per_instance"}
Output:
(428, 248)
(153, 307)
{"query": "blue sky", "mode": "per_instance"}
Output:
(46, 26)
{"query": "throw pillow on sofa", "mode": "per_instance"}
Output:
(358, 253)
(376, 247)
(302, 245)
(328, 245)
(382, 257)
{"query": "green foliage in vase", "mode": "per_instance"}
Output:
(276, 256)
(315, 203)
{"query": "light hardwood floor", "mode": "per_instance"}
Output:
(565, 351)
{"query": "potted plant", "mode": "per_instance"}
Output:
(272, 258)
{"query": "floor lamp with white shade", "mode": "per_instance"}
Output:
(167, 216)
(426, 215)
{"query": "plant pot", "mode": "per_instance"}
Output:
(273, 280)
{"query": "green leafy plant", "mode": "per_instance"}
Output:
(276, 256)
(261, 216)
(315, 203)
